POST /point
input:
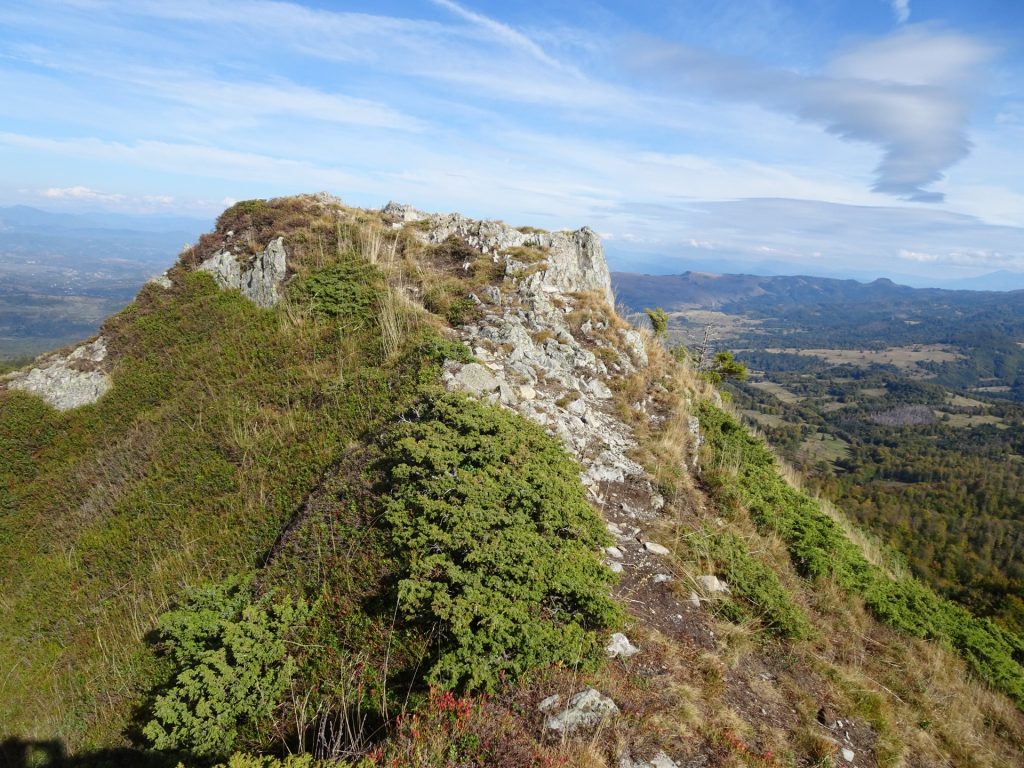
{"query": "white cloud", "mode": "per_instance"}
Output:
(909, 94)
(81, 193)
(918, 256)
(502, 32)
(901, 9)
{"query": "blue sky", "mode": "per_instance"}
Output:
(864, 136)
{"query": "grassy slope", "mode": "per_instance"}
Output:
(219, 423)
(224, 446)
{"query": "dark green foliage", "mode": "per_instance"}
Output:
(499, 543)
(725, 368)
(231, 666)
(348, 290)
(659, 321)
(820, 548)
(762, 594)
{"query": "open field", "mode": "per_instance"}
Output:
(825, 447)
(970, 419)
(905, 358)
(959, 401)
(764, 419)
(778, 390)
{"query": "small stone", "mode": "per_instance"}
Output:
(848, 755)
(620, 646)
(526, 392)
(661, 578)
(694, 600)
(660, 760)
(615, 567)
(614, 552)
(656, 549)
(614, 529)
(712, 584)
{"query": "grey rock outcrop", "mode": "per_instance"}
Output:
(531, 360)
(67, 381)
(574, 261)
(585, 710)
(260, 279)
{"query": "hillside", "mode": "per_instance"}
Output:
(390, 488)
(901, 405)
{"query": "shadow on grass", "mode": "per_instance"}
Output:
(51, 753)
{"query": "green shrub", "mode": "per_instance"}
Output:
(348, 289)
(498, 542)
(761, 594)
(231, 666)
(659, 321)
(819, 547)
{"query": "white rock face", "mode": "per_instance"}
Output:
(587, 709)
(162, 280)
(67, 381)
(619, 645)
(655, 548)
(259, 279)
(848, 755)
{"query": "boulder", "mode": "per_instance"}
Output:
(259, 279)
(472, 378)
(584, 711)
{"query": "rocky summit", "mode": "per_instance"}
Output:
(391, 488)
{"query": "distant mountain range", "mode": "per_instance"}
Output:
(631, 261)
(706, 290)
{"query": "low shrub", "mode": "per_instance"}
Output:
(761, 594)
(231, 665)
(348, 290)
(498, 544)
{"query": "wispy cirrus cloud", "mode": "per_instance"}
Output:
(510, 36)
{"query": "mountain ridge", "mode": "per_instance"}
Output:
(305, 410)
